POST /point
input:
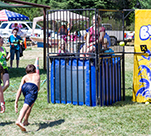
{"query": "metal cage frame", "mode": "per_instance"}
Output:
(98, 61)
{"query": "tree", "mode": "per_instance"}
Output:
(84, 4)
(31, 12)
(145, 4)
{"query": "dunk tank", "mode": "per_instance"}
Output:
(142, 60)
(79, 73)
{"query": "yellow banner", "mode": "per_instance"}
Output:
(142, 62)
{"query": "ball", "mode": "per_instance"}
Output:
(147, 103)
(122, 43)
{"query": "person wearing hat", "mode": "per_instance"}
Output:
(15, 42)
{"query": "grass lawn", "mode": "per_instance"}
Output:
(123, 118)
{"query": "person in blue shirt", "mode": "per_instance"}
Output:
(15, 42)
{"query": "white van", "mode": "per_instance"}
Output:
(6, 29)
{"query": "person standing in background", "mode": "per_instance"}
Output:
(15, 43)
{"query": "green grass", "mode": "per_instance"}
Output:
(122, 118)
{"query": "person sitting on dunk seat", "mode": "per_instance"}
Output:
(94, 37)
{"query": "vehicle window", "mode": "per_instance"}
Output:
(38, 27)
(24, 27)
(107, 27)
(3, 26)
(10, 27)
(31, 25)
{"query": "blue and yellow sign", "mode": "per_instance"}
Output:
(142, 62)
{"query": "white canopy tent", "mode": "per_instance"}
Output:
(60, 16)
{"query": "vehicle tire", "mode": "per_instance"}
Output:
(113, 40)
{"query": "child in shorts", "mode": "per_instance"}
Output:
(30, 85)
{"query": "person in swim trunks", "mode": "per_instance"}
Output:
(30, 85)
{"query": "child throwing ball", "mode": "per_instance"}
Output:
(29, 86)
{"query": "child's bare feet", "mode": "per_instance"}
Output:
(21, 126)
(26, 124)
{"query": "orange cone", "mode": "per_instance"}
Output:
(25, 43)
(37, 65)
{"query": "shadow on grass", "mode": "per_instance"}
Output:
(128, 101)
(20, 72)
(13, 100)
(6, 123)
(50, 124)
(129, 88)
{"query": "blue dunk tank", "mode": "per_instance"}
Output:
(78, 75)
(79, 83)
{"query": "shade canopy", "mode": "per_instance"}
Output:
(60, 16)
(6, 15)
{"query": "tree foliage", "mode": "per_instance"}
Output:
(145, 4)
(84, 4)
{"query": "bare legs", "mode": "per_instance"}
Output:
(25, 123)
(21, 115)
(1, 95)
(5, 81)
(87, 49)
(24, 112)
(2, 100)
